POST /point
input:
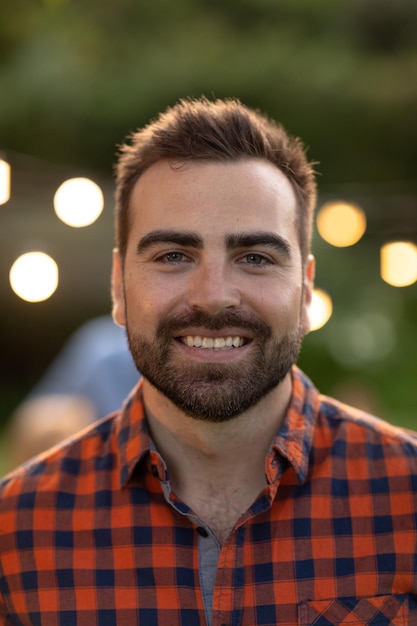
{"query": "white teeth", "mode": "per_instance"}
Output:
(216, 343)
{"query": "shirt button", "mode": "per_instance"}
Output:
(202, 531)
(154, 471)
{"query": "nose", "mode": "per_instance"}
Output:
(213, 288)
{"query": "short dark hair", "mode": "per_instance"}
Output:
(219, 130)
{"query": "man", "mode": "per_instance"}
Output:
(227, 490)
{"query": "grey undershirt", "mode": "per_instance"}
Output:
(208, 557)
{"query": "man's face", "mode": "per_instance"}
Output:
(212, 291)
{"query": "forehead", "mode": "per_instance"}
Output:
(213, 197)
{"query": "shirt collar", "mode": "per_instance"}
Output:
(133, 441)
(293, 440)
(295, 436)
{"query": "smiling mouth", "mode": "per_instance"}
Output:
(214, 343)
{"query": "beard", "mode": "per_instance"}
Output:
(209, 391)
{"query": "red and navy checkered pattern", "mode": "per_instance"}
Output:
(88, 539)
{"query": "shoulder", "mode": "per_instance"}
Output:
(359, 430)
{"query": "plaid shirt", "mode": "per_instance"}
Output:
(87, 537)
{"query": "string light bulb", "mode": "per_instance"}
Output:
(321, 309)
(399, 263)
(78, 202)
(341, 224)
(4, 181)
(34, 276)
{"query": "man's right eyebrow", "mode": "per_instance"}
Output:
(177, 237)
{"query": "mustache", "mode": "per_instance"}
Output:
(178, 322)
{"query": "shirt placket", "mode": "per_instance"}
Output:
(228, 594)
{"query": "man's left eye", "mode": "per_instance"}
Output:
(255, 259)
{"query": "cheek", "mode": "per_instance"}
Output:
(283, 309)
(147, 301)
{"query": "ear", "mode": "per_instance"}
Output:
(117, 291)
(308, 286)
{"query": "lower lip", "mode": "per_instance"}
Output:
(211, 355)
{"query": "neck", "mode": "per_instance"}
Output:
(193, 447)
(218, 469)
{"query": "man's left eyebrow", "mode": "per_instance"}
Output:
(248, 240)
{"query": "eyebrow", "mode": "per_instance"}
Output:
(180, 238)
(248, 240)
(233, 240)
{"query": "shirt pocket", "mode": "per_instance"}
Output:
(389, 610)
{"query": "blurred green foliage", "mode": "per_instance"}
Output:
(77, 75)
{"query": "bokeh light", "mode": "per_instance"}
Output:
(78, 202)
(4, 181)
(399, 263)
(321, 309)
(341, 223)
(34, 276)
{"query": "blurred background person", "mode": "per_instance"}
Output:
(88, 379)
